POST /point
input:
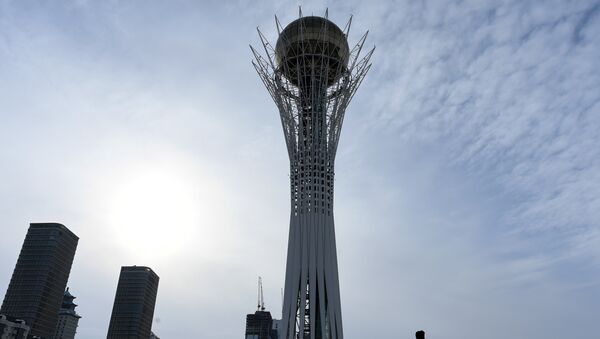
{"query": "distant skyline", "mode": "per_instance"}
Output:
(473, 148)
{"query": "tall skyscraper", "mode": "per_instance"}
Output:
(68, 319)
(133, 309)
(311, 73)
(36, 288)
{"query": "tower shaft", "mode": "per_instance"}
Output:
(312, 76)
(312, 307)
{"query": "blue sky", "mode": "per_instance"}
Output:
(468, 171)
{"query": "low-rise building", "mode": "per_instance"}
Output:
(277, 328)
(13, 328)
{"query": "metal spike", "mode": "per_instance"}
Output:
(278, 25)
(347, 28)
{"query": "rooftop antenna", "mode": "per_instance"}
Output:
(258, 298)
(261, 299)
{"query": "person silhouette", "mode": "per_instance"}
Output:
(420, 334)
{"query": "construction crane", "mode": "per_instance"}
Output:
(261, 299)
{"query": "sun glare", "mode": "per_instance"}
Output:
(155, 212)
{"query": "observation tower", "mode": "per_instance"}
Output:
(312, 74)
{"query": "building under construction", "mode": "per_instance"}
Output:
(260, 326)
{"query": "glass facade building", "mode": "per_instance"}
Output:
(133, 309)
(35, 292)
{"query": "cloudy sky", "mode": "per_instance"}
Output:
(468, 171)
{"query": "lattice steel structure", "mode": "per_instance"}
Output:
(312, 75)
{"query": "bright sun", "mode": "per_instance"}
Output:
(155, 212)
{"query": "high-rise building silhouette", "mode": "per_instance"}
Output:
(133, 309)
(260, 326)
(68, 319)
(35, 292)
(312, 74)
